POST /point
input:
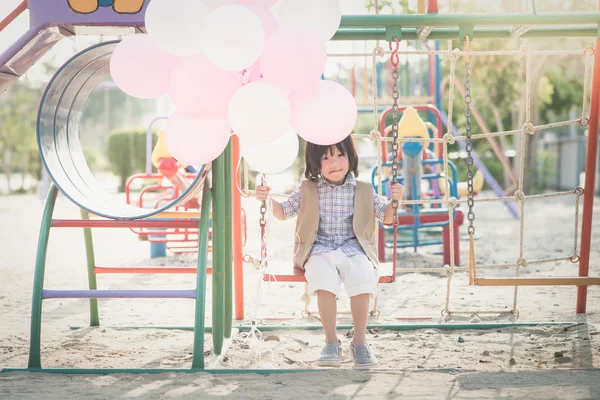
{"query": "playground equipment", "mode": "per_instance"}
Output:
(414, 159)
(60, 149)
(164, 186)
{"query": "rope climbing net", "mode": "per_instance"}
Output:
(453, 55)
(528, 128)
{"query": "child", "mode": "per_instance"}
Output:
(336, 240)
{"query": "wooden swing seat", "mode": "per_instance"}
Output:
(277, 272)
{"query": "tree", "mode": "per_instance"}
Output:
(18, 148)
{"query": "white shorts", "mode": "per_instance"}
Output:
(327, 271)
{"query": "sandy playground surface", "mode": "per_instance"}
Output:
(550, 362)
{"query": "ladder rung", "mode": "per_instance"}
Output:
(134, 223)
(147, 270)
(520, 281)
(116, 294)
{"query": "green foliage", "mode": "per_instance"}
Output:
(545, 91)
(18, 145)
(127, 153)
(546, 170)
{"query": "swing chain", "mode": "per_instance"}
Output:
(263, 212)
(469, 142)
(394, 60)
(263, 205)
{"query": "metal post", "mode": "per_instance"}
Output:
(590, 177)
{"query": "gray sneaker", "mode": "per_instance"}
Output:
(362, 356)
(330, 356)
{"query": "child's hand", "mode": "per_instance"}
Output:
(262, 193)
(397, 190)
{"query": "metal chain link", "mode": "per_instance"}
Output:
(263, 206)
(395, 120)
(469, 143)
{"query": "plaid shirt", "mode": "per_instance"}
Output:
(336, 213)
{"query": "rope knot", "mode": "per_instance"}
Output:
(578, 191)
(379, 51)
(523, 51)
(448, 271)
(451, 203)
(519, 196)
(454, 54)
(528, 128)
(375, 135)
(449, 138)
(522, 263)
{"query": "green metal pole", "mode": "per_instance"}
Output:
(38, 280)
(228, 242)
(478, 33)
(417, 20)
(218, 231)
(198, 355)
(91, 264)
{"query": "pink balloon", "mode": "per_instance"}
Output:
(324, 113)
(196, 141)
(292, 60)
(254, 73)
(214, 4)
(261, 3)
(141, 69)
(266, 17)
(199, 89)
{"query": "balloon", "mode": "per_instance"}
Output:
(213, 4)
(199, 89)
(324, 113)
(259, 112)
(254, 73)
(260, 3)
(292, 60)
(274, 157)
(140, 69)
(322, 17)
(268, 20)
(196, 141)
(173, 25)
(233, 37)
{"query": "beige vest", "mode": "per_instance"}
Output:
(307, 223)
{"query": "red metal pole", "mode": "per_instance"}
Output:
(353, 81)
(432, 6)
(238, 270)
(13, 15)
(590, 177)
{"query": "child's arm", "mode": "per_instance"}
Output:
(397, 190)
(280, 211)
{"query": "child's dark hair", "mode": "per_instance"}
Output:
(314, 152)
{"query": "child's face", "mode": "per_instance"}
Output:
(334, 166)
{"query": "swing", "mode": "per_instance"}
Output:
(387, 271)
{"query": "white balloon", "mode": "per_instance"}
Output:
(233, 37)
(259, 112)
(274, 157)
(173, 25)
(322, 17)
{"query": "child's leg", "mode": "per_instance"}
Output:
(324, 280)
(359, 306)
(360, 278)
(328, 312)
